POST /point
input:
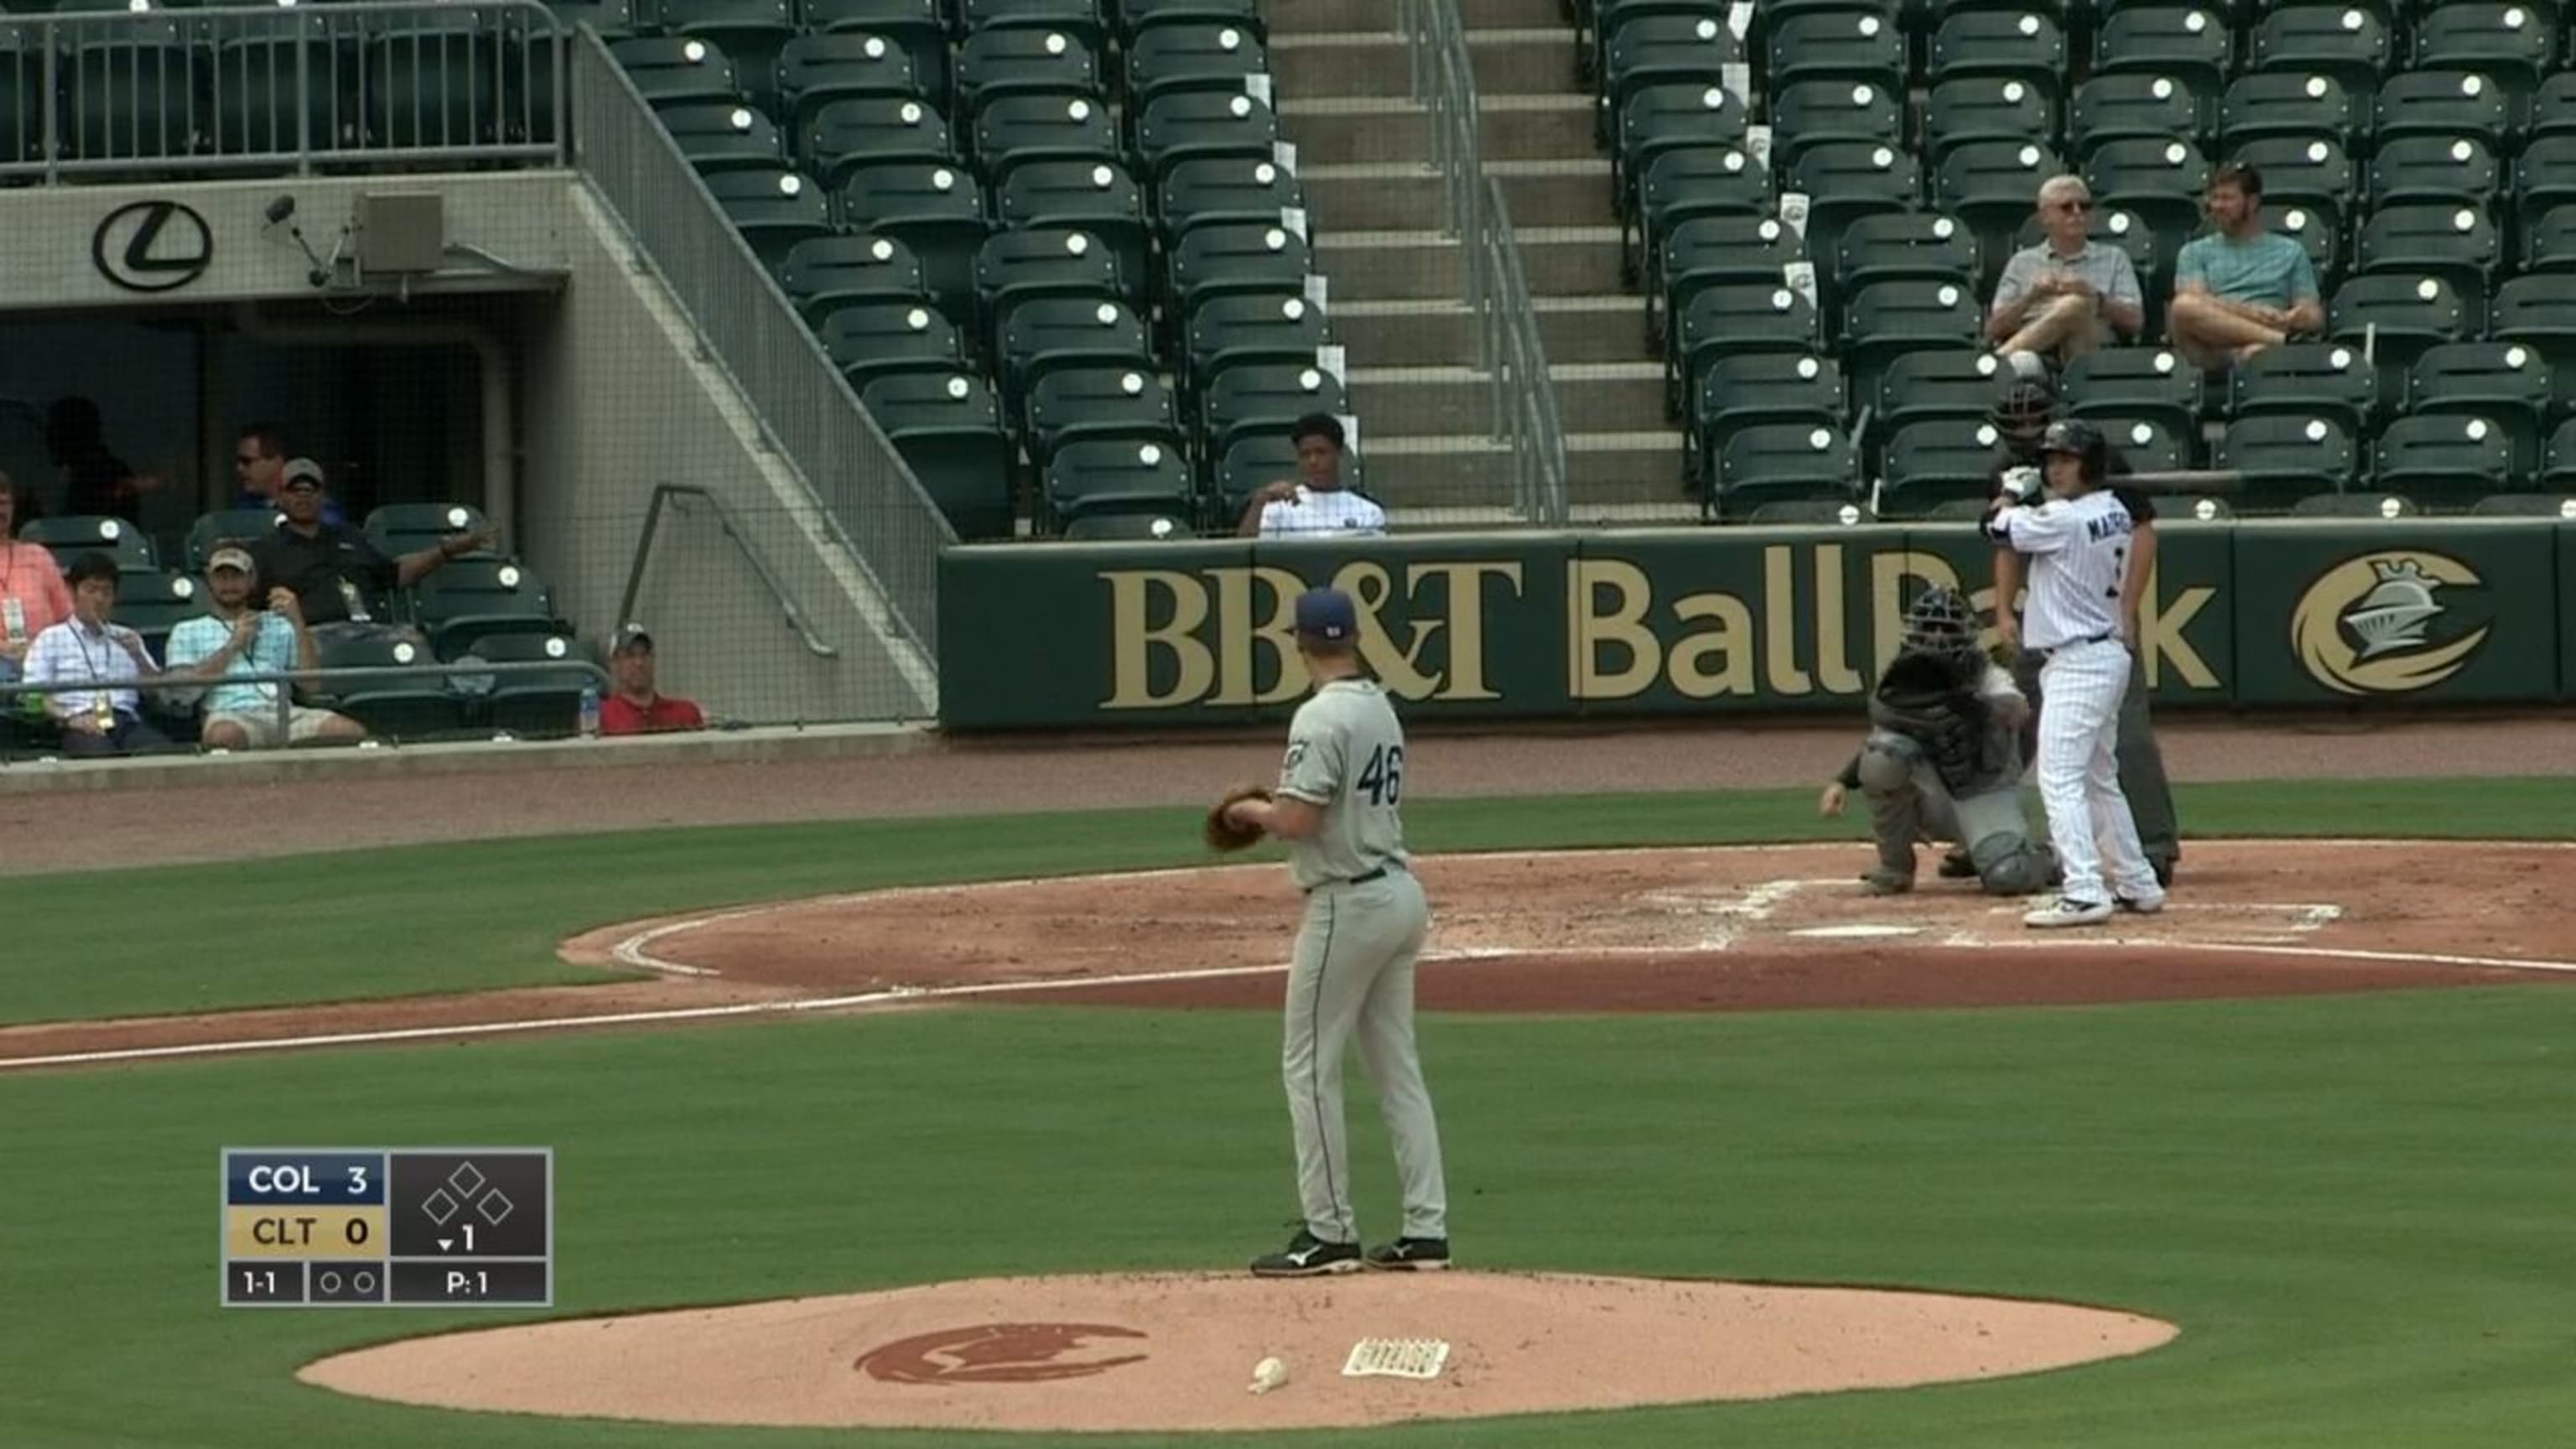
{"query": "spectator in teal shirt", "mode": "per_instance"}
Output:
(2243, 288)
(240, 636)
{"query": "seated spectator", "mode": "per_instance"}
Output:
(2067, 295)
(259, 465)
(240, 637)
(86, 648)
(2245, 287)
(33, 597)
(635, 707)
(335, 574)
(1318, 505)
(95, 480)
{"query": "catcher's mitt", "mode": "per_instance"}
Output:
(1224, 834)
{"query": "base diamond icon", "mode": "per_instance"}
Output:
(439, 1206)
(495, 1206)
(466, 1179)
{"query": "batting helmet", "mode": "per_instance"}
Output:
(1940, 622)
(2081, 439)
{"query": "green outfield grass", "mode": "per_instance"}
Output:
(2354, 1206)
(488, 914)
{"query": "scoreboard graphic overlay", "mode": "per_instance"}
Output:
(389, 1227)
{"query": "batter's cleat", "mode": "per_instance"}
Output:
(1957, 866)
(1411, 1255)
(2164, 873)
(1308, 1256)
(1886, 883)
(2139, 905)
(2068, 911)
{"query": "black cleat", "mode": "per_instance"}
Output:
(1308, 1256)
(1411, 1255)
(1957, 866)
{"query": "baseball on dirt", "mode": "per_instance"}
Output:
(1268, 1374)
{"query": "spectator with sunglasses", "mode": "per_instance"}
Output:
(259, 466)
(2067, 295)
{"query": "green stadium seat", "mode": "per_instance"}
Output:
(2191, 44)
(70, 537)
(2287, 456)
(1808, 512)
(2548, 241)
(2318, 233)
(2325, 379)
(1016, 130)
(724, 136)
(1738, 318)
(1135, 17)
(1746, 390)
(825, 274)
(535, 705)
(473, 598)
(1014, 60)
(663, 68)
(2409, 312)
(2557, 463)
(2283, 106)
(1835, 44)
(1214, 260)
(1015, 267)
(2538, 312)
(2347, 42)
(403, 699)
(1689, 48)
(2525, 505)
(1103, 476)
(2132, 106)
(1194, 124)
(2158, 181)
(2545, 177)
(1217, 190)
(749, 31)
(2148, 445)
(2373, 504)
(400, 528)
(1193, 56)
(2443, 103)
(817, 69)
(1713, 250)
(869, 340)
(1812, 113)
(1094, 197)
(949, 432)
(936, 210)
(2506, 383)
(916, 25)
(1847, 179)
(2002, 44)
(2308, 170)
(153, 604)
(2134, 382)
(1077, 19)
(1087, 402)
(2443, 461)
(132, 91)
(773, 208)
(1041, 336)
(2515, 43)
(1252, 327)
(1937, 461)
(1130, 528)
(2453, 240)
(1993, 186)
(1682, 185)
(1887, 320)
(1263, 397)
(1905, 246)
(1984, 109)
(228, 525)
(1661, 118)
(860, 131)
(2455, 169)
(1920, 386)
(2553, 107)
(429, 84)
(22, 94)
(1783, 463)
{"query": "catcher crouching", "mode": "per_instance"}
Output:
(1943, 757)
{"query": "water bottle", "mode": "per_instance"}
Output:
(590, 711)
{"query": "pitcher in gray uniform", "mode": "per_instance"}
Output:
(1337, 807)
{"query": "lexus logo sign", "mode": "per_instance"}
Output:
(152, 246)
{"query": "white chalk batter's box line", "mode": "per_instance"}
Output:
(903, 995)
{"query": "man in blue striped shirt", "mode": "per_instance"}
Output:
(2242, 288)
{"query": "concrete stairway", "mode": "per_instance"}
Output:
(1364, 149)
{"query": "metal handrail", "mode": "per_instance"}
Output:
(11, 692)
(1494, 285)
(751, 553)
(168, 67)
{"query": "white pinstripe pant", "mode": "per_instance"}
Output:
(2081, 687)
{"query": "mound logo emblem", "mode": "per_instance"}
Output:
(996, 1353)
(2374, 624)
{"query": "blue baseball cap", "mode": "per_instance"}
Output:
(1327, 614)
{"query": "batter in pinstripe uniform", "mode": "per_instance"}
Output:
(2077, 541)
(1337, 807)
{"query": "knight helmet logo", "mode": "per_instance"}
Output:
(2374, 624)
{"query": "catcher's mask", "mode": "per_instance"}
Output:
(1940, 622)
(2081, 440)
(2024, 412)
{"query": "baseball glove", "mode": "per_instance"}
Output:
(1223, 834)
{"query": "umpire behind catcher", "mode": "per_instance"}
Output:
(2021, 417)
(1943, 759)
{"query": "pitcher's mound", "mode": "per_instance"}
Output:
(1170, 1352)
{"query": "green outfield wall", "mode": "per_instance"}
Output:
(1729, 621)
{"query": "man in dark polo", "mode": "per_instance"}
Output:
(337, 575)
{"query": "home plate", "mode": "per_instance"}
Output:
(1856, 933)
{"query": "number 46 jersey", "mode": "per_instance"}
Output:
(1346, 757)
